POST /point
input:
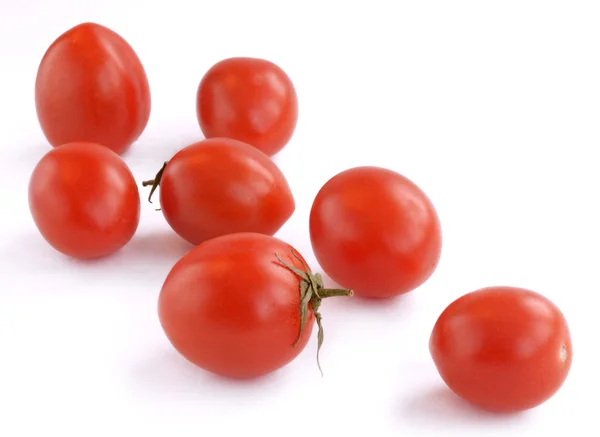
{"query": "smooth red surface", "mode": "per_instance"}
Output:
(248, 99)
(84, 200)
(231, 308)
(221, 186)
(91, 86)
(504, 349)
(375, 232)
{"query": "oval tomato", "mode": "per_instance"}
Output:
(84, 200)
(248, 99)
(504, 349)
(220, 186)
(241, 305)
(374, 231)
(91, 86)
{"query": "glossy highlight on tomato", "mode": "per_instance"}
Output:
(220, 186)
(91, 86)
(503, 349)
(233, 305)
(375, 231)
(84, 200)
(248, 99)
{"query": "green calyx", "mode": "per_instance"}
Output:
(312, 292)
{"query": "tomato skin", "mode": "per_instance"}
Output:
(91, 86)
(248, 99)
(503, 349)
(84, 200)
(221, 186)
(231, 308)
(374, 231)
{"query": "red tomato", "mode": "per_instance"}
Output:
(374, 231)
(84, 200)
(91, 86)
(248, 99)
(220, 186)
(241, 305)
(504, 349)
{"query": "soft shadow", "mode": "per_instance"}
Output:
(31, 251)
(166, 373)
(147, 257)
(153, 148)
(29, 155)
(277, 158)
(329, 283)
(364, 302)
(159, 246)
(439, 406)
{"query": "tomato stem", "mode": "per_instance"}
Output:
(154, 182)
(333, 292)
(312, 291)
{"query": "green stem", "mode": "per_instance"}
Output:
(312, 292)
(333, 292)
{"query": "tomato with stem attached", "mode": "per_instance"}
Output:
(91, 86)
(375, 231)
(242, 305)
(248, 99)
(84, 200)
(503, 349)
(221, 186)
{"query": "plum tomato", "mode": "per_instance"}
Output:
(503, 349)
(375, 231)
(92, 87)
(221, 186)
(250, 100)
(84, 200)
(242, 305)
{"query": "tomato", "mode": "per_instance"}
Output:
(374, 231)
(221, 186)
(241, 305)
(248, 99)
(84, 200)
(504, 349)
(91, 86)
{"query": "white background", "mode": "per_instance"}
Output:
(493, 108)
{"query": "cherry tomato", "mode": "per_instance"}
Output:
(241, 305)
(248, 99)
(84, 200)
(91, 86)
(374, 231)
(221, 186)
(504, 349)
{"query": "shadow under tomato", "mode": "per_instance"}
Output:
(440, 407)
(156, 246)
(147, 258)
(28, 155)
(168, 373)
(153, 148)
(364, 302)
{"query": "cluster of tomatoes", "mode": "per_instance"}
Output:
(242, 303)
